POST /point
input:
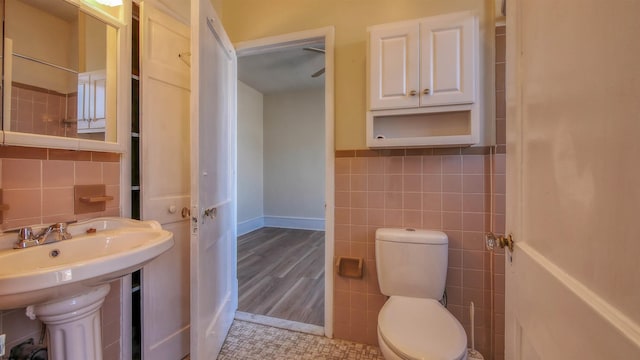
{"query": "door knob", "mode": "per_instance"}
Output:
(501, 241)
(425, 91)
(413, 93)
(186, 212)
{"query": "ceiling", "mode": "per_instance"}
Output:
(287, 69)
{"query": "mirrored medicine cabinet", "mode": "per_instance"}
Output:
(62, 63)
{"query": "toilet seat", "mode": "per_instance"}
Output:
(417, 328)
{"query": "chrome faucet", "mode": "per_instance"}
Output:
(52, 233)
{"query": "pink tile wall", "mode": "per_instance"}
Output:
(40, 111)
(442, 192)
(38, 186)
(41, 191)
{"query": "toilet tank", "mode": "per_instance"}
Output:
(412, 262)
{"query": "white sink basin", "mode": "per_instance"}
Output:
(54, 271)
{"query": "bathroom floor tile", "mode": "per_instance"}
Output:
(258, 342)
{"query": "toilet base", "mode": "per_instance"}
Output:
(389, 354)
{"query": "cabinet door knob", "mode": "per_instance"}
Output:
(425, 91)
(413, 93)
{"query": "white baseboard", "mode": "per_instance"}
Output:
(250, 225)
(294, 222)
(286, 222)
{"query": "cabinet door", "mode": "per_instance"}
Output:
(447, 60)
(394, 66)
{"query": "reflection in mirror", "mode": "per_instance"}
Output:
(62, 75)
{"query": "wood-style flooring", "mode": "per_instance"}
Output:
(281, 274)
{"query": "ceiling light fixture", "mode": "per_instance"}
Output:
(111, 3)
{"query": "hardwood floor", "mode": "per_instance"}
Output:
(281, 274)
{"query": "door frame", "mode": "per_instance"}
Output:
(274, 43)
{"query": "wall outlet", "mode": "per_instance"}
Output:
(2, 339)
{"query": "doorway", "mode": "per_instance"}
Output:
(285, 180)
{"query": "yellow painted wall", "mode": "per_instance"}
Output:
(217, 5)
(254, 19)
(37, 33)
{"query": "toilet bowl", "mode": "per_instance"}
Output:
(414, 328)
(413, 324)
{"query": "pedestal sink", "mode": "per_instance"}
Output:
(64, 283)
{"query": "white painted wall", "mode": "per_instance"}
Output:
(294, 154)
(250, 149)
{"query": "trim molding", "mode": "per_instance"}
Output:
(287, 222)
(474, 150)
(290, 222)
(250, 225)
(284, 41)
(528, 293)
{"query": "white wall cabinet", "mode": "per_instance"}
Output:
(426, 67)
(425, 62)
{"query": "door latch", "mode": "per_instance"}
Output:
(211, 212)
(501, 241)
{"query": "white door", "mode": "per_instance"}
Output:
(448, 59)
(394, 77)
(165, 187)
(573, 194)
(214, 288)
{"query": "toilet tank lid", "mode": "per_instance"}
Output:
(414, 236)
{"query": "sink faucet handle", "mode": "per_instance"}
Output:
(26, 238)
(61, 230)
(25, 233)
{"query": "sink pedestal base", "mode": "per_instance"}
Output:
(73, 325)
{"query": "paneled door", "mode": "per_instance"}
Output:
(214, 286)
(165, 180)
(573, 194)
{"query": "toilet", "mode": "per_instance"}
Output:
(412, 271)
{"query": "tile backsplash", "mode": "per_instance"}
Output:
(40, 111)
(438, 190)
(39, 190)
(38, 185)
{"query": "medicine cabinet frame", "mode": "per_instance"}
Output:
(122, 23)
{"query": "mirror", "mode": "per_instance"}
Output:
(60, 71)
